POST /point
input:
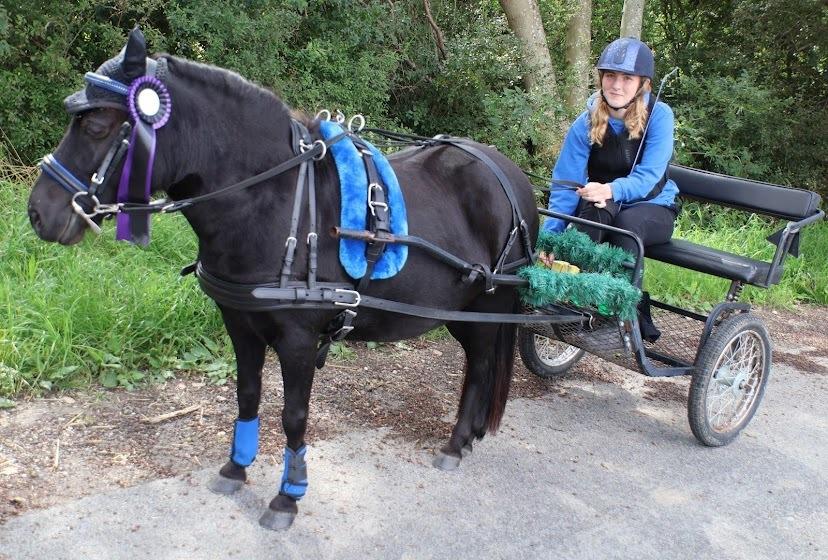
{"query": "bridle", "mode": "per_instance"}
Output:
(86, 195)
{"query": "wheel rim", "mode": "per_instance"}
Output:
(736, 381)
(554, 352)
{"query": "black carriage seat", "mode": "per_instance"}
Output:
(743, 194)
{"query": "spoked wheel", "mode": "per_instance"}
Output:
(546, 357)
(729, 379)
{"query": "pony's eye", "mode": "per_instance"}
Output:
(94, 129)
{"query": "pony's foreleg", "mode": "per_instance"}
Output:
(250, 354)
(297, 358)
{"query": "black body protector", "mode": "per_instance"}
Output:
(617, 156)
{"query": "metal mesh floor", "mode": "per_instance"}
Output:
(679, 335)
(602, 336)
(610, 339)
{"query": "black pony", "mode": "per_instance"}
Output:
(221, 130)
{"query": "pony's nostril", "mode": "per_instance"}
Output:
(34, 218)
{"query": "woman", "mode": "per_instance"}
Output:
(603, 151)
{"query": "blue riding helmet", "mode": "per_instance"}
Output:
(628, 55)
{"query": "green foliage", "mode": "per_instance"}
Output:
(436, 335)
(577, 248)
(747, 130)
(476, 91)
(100, 310)
(341, 352)
(751, 100)
(804, 280)
(331, 53)
(609, 295)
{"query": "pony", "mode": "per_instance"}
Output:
(220, 129)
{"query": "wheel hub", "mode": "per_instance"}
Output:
(735, 380)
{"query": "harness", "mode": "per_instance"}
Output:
(288, 293)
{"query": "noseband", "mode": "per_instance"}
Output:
(85, 197)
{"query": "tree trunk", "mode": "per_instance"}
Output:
(436, 31)
(525, 21)
(578, 53)
(632, 18)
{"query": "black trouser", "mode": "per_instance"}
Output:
(651, 222)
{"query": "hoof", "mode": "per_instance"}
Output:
(446, 462)
(224, 485)
(280, 514)
(466, 451)
(277, 520)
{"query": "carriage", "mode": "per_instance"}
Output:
(254, 181)
(727, 351)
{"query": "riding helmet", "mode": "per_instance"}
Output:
(628, 55)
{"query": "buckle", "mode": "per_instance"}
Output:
(346, 327)
(373, 204)
(357, 298)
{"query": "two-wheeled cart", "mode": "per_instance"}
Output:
(728, 351)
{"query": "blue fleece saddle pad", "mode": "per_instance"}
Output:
(353, 183)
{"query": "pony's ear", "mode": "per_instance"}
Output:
(135, 55)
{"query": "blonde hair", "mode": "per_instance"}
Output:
(634, 119)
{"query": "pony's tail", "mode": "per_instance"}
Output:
(504, 361)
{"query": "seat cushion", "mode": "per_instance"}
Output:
(712, 261)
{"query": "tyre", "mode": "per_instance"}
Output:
(546, 357)
(729, 379)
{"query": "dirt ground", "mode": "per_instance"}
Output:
(69, 445)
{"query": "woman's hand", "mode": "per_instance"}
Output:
(545, 259)
(598, 193)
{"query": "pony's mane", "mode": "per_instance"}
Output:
(233, 83)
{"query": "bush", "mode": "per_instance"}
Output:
(738, 127)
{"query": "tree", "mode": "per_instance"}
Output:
(525, 22)
(578, 53)
(632, 18)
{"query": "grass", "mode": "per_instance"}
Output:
(111, 313)
(804, 280)
(100, 310)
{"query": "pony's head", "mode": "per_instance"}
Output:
(122, 98)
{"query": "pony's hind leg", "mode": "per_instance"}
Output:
(489, 352)
(297, 357)
(250, 353)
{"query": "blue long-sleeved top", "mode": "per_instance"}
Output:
(656, 154)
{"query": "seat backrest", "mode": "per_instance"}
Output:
(752, 196)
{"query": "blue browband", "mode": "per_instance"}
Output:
(107, 83)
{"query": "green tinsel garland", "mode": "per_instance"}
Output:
(604, 285)
(610, 295)
(576, 247)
